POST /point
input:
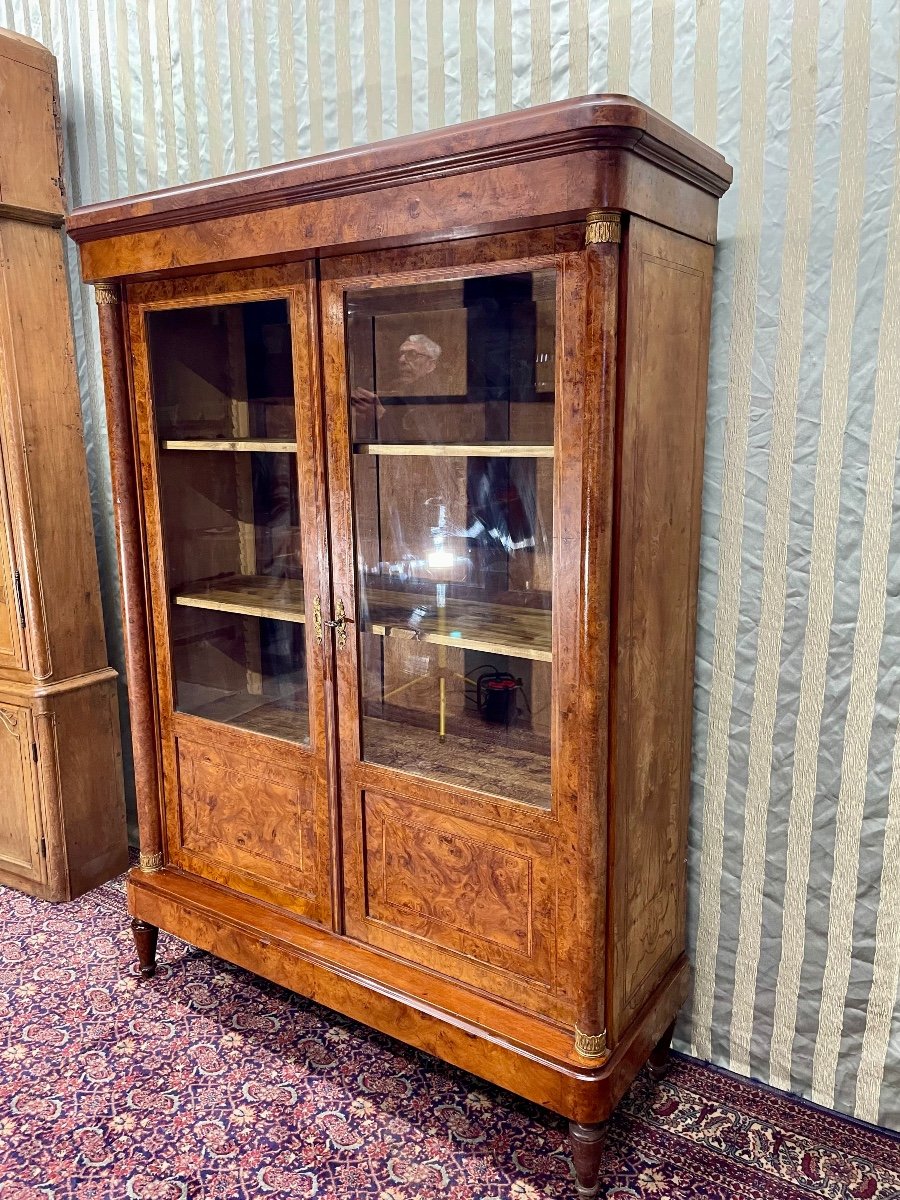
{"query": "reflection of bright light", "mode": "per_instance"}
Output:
(440, 560)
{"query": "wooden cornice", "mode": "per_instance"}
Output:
(584, 124)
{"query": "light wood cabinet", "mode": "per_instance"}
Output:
(62, 815)
(407, 452)
(21, 830)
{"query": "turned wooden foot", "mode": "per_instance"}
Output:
(145, 938)
(658, 1063)
(587, 1142)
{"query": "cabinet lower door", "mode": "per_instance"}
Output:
(20, 827)
(444, 420)
(230, 452)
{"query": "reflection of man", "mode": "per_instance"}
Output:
(417, 357)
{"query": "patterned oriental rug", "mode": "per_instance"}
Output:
(208, 1082)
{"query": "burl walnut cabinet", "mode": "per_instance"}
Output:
(407, 450)
(62, 813)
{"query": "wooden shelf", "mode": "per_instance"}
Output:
(485, 764)
(465, 624)
(257, 714)
(249, 595)
(239, 445)
(452, 450)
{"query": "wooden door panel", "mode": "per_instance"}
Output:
(245, 816)
(20, 828)
(472, 901)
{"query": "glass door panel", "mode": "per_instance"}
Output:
(452, 416)
(222, 378)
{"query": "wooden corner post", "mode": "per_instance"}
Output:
(599, 272)
(602, 243)
(126, 511)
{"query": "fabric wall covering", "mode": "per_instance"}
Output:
(795, 855)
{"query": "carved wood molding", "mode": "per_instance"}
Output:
(10, 721)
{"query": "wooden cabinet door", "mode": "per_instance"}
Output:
(12, 649)
(229, 445)
(453, 381)
(20, 827)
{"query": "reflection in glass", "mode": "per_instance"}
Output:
(222, 379)
(452, 407)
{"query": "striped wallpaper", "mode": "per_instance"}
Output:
(795, 846)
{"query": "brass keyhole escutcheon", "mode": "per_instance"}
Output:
(339, 624)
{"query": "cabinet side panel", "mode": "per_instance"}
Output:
(81, 760)
(663, 419)
(48, 472)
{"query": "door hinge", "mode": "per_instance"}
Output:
(34, 751)
(43, 847)
(20, 602)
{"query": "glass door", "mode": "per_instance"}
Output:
(444, 421)
(229, 441)
(222, 378)
(452, 419)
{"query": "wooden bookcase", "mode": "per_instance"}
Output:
(407, 448)
(62, 811)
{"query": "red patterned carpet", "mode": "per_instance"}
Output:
(208, 1082)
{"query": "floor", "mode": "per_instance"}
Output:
(208, 1082)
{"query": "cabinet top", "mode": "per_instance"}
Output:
(26, 50)
(30, 149)
(521, 137)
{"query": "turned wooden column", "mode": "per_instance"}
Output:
(126, 511)
(598, 364)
